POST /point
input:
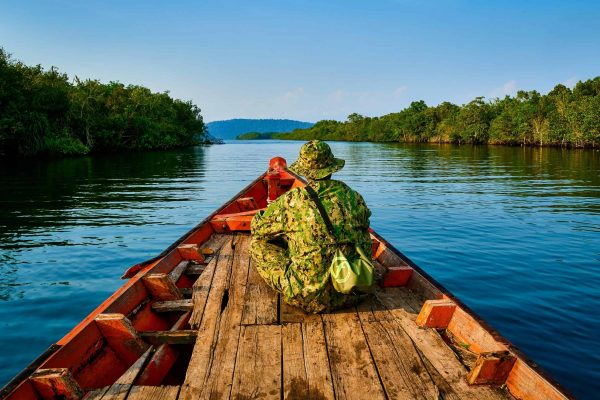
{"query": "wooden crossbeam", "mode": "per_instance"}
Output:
(491, 368)
(173, 305)
(121, 336)
(170, 337)
(232, 223)
(191, 252)
(436, 314)
(163, 359)
(56, 383)
(162, 287)
(179, 269)
(246, 203)
(194, 269)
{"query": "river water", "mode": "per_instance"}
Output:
(513, 232)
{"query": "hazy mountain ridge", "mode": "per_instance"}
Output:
(229, 129)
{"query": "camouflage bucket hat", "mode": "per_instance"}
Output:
(316, 161)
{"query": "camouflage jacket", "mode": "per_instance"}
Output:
(294, 218)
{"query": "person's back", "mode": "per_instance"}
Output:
(292, 248)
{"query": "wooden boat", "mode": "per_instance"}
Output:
(198, 322)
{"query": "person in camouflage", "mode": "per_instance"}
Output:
(290, 245)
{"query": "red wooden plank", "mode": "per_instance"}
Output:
(121, 336)
(162, 287)
(247, 203)
(436, 314)
(56, 383)
(397, 276)
(491, 368)
(190, 252)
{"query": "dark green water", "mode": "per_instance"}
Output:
(514, 232)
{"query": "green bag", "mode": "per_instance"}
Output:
(346, 275)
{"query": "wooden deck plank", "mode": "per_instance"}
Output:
(96, 394)
(202, 286)
(220, 371)
(217, 294)
(258, 366)
(446, 371)
(153, 392)
(260, 305)
(398, 362)
(352, 367)
(306, 372)
(295, 382)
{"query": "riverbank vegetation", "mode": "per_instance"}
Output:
(259, 135)
(563, 117)
(43, 112)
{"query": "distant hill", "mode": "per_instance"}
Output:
(231, 128)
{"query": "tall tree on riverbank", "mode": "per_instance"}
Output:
(43, 112)
(563, 117)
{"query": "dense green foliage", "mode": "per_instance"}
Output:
(231, 128)
(43, 112)
(563, 117)
(259, 135)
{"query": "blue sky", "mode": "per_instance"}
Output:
(311, 60)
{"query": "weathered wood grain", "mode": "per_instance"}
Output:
(306, 372)
(202, 286)
(258, 365)
(352, 368)
(208, 332)
(447, 372)
(96, 394)
(170, 337)
(153, 392)
(179, 269)
(120, 389)
(402, 372)
(260, 306)
(219, 375)
(173, 305)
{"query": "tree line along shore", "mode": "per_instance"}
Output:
(563, 117)
(43, 112)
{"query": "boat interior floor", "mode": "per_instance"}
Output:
(252, 345)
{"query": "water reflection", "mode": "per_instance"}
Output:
(514, 232)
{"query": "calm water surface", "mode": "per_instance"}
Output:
(513, 232)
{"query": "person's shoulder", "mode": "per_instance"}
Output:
(337, 183)
(341, 185)
(295, 193)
